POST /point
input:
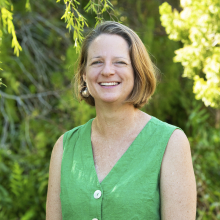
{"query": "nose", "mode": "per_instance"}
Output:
(108, 69)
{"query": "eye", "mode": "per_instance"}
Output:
(121, 63)
(96, 62)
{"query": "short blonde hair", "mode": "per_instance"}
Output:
(144, 69)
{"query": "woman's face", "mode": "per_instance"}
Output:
(109, 74)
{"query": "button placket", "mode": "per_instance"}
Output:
(97, 199)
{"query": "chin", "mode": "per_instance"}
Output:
(109, 99)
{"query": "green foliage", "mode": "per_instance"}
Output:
(1, 82)
(99, 8)
(205, 142)
(74, 20)
(7, 21)
(77, 21)
(28, 5)
(26, 185)
(197, 27)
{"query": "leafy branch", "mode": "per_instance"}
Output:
(7, 21)
(197, 27)
(1, 82)
(75, 20)
(99, 8)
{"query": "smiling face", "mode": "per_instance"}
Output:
(109, 74)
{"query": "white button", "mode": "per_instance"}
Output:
(94, 219)
(97, 194)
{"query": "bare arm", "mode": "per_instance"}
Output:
(53, 206)
(178, 186)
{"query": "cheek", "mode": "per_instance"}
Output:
(91, 75)
(132, 76)
(91, 79)
(132, 81)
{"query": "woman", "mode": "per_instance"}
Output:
(124, 164)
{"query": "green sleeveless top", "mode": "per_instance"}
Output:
(131, 190)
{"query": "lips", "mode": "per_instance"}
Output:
(109, 83)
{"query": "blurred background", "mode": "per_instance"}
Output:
(37, 104)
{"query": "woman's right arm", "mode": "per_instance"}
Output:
(53, 206)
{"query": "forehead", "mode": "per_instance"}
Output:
(107, 44)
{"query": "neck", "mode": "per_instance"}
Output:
(112, 120)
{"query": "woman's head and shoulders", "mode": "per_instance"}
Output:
(120, 77)
(131, 68)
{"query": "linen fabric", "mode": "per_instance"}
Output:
(131, 190)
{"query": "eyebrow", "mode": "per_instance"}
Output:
(95, 57)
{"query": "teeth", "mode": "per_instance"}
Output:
(109, 84)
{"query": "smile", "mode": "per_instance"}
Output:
(109, 83)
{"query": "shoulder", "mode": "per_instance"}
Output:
(163, 125)
(58, 148)
(70, 133)
(56, 155)
(165, 134)
(178, 143)
(177, 180)
(75, 132)
(177, 152)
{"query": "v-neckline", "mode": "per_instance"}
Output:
(91, 156)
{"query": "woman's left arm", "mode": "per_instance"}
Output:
(177, 180)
